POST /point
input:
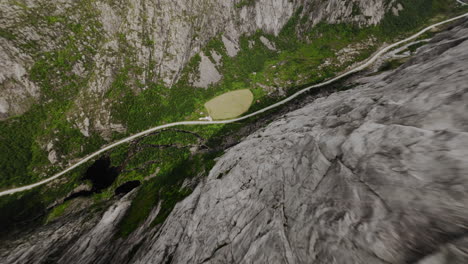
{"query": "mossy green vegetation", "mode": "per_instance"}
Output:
(151, 156)
(7, 34)
(57, 211)
(30, 207)
(297, 64)
(165, 190)
(23, 158)
(414, 14)
(269, 74)
(243, 3)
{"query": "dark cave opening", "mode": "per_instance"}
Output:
(101, 174)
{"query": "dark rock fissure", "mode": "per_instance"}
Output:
(101, 174)
(79, 194)
(127, 187)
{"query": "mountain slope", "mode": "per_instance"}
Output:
(376, 174)
(373, 174)
(77, 75)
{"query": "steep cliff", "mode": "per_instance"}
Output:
(160, 36)
(376, 174)
(373, 174)
(76, 75)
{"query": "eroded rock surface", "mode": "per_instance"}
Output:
(374, 174)
(208, 74)
(158, 36)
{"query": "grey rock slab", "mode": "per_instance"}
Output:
(208, 74)
(162, 37)
(374, 174)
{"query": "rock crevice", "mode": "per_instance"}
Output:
(374, 174)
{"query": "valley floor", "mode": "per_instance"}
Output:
(358, 68)
(373, 174)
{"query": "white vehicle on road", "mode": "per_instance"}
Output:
(210, 122)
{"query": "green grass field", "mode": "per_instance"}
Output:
(230, 105)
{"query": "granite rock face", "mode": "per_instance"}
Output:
(374, 174)
(160, 37)
(17, 91)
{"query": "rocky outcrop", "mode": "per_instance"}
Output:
(159, 37)
(17, 91)
(374, 174)
(208, 74)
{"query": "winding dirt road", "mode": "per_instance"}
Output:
(151, 130)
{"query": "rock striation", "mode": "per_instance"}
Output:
(159, 37)
(373, 174)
